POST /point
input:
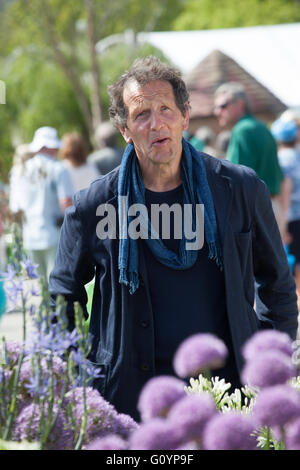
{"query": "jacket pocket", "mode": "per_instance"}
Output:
(253, 319)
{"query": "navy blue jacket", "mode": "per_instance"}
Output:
(121, 325)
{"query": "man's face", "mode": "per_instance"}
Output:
(228, 112)
(154, 123)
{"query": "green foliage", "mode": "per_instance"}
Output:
(205, 14)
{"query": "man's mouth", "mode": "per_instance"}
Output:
(160, 141)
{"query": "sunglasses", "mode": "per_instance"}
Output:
(223, 106)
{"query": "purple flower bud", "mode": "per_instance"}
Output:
(292, 440)
(267, 340)
(198, 353)
(158, 395)
(268, 368)
(192, 413)
(276, 406)
(157, 434)
(229, 431)
(109, 442)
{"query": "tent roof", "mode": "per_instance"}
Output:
(270, 53)
(217, 68)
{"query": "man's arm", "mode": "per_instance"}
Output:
(276, 284)
(74, 266)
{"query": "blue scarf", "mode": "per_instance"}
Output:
(195, 191)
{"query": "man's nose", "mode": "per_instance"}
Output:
(155, 121)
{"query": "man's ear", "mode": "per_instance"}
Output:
(125, 133)
(186, 118)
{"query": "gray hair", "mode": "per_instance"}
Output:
(143, 71)
(235, 91)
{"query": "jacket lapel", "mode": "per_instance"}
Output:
(221, 190)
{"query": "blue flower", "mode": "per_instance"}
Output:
(30, 267)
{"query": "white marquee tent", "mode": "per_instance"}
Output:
(269, 53)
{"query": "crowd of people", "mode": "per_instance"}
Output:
(247, 179)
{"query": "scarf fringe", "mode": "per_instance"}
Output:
(214, 253)
(133, 280)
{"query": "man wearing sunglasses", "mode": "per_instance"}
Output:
(251, 144)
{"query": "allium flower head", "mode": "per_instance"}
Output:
(268, 368)
(267, 340)
(28, 423)
(292, 440)
(156, 434)
(229, 431)
(13, 351)
(276, 406)
(109, 442)
(198, 353)
(158, 395)
(101, 415)
(125, 425)
(192, 413)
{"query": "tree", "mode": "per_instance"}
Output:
(53, 27)
(207, 14)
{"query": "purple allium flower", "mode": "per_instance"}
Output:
(268, 368)
(192, 413)
(101, 415)
(32, 382)
(158, 395)
(292, 440)
(27, 427)
(156, 434)
(229, 431)
(198, 353)
(276, 406)
(125, 425)
(109, 442)
(13, 351)
(267, 340)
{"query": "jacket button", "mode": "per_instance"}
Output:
(145, 367)
(144, 323)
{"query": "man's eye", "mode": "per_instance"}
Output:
(141, 114)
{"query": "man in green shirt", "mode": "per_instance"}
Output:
(251, 143)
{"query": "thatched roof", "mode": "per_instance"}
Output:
(217, 68)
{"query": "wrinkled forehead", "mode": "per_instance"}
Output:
(135, 94)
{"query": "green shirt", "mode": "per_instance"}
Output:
(252, 144)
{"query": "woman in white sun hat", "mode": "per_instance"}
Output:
(48, 192)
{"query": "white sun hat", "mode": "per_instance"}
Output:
(45, 137)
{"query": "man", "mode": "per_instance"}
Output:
(153, 292)
(47, 192)
(251, 144)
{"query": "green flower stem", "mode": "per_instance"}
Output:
(12, 408)
(78, 444)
